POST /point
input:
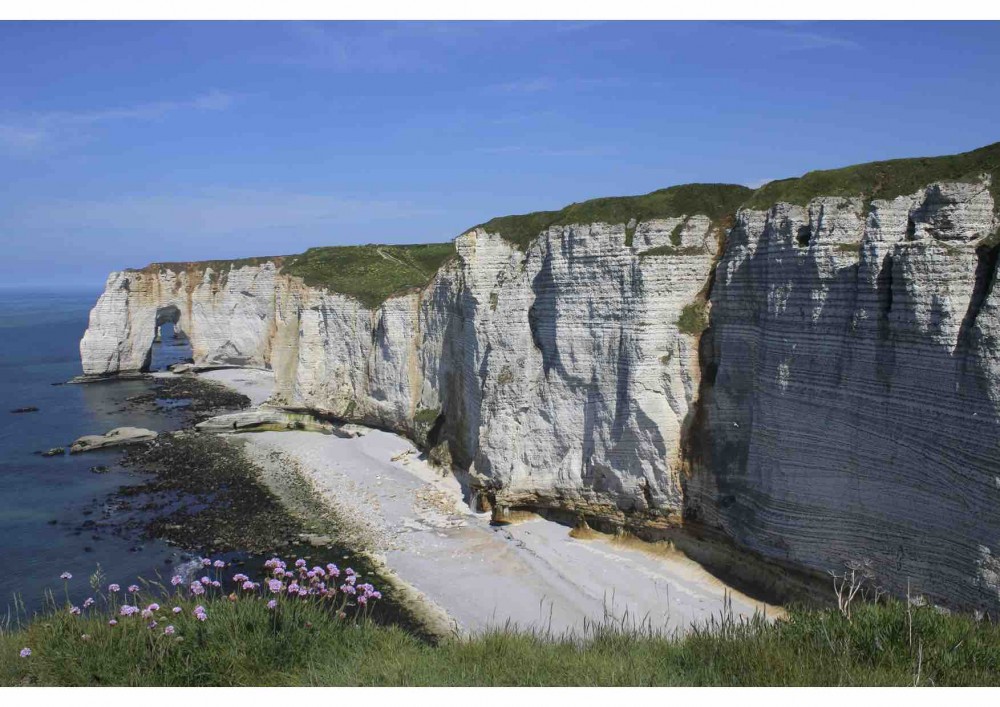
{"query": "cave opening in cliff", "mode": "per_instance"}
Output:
(170, 343)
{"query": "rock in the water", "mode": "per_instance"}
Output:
(115, 438)
(25, 409)
(54, 452)
(100, 469)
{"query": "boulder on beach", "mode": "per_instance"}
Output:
(262, 420)
(115, 438)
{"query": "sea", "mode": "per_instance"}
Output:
(49, 505)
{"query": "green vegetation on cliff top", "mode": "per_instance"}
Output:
(882, 180)
(713, 200)
(370, 273)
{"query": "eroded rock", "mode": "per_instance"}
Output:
(114, 438)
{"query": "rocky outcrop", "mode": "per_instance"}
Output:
(118, 437)
(840, 406)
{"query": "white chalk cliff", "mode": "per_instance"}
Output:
(842, 404)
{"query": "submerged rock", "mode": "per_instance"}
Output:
(25, 409)
(54, 452)
(115, 438)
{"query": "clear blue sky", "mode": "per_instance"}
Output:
(125, 143)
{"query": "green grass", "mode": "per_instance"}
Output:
(243, 644)
(370, 273)
(716, 201)
(694, 318)
(882, 180)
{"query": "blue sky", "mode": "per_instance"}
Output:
(126, 143)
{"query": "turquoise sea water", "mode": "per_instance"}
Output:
(49, 506)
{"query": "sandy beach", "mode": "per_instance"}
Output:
(472, 575)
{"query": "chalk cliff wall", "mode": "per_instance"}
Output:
(556, 374)
(852, 412)
(840, 406)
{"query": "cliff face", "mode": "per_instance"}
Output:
(853, 412)
(841, 405)
(556, 374)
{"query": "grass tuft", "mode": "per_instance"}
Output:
(693, 319)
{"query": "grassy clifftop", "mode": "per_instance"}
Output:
(370, 273)
(713, 200)
(882, 180)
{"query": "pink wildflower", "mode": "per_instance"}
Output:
(169, 631)
(88, 602)
(74, 610)
(216, 584)
(128, 610)
(275, 586)
(134, 588)
(176, 580)
(151, 625)
(153, 607)
(205, 580)
(114, 588)
(218, 564)
(25, 652)
(65, 575)
(362, 600)
(146, 614)
(240, 577)
(248, 585)
(113, 622)
(205, 562)
(177, 610)
(272, 604)
(197, 589)
(303, 592)
(300, 563)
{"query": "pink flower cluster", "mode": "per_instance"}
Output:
(318, 584)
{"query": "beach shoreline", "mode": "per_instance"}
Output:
(462, 575)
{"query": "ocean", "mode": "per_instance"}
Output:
(49, 506)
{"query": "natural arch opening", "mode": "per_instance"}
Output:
(170, 343)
